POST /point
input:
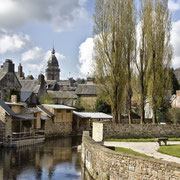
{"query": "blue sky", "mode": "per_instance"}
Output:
(29, 28)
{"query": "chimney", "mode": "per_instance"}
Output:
(14, 98)
(90, 81)
(8, 66)
(20, 70)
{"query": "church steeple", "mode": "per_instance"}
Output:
(53, 50)
(53, 70)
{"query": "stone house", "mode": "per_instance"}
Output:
(82, 121)
(56, 119)
(8, 79)
(175, 100)
(68, 98)
(18, 121)
(87, 94)
(32, 90)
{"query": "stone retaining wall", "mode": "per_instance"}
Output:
(105, 164)
(111, 130)
(57, 129)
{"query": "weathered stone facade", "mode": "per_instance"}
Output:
(6, 121)
(8, 79)
(105, 164)
(111, 130)
(57, 129)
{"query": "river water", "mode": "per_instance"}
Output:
(56, 159)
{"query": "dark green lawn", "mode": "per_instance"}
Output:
(172, 150)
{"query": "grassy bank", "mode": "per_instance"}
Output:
(172, 150)
(140, 140)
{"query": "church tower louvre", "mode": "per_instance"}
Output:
(53, 70)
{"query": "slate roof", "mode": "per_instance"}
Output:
(16, 104)
(86, 89)
(93, 115)
(12, 113)
(25, 117)
(45, 110)
(25, 95)
(2, 74)
(34, 110)
(57, 106)
(44, 117)
(7, 108)
(30, 85)
(63, 94)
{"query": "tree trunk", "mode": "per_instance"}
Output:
(142, 112)
(142, 101)
(154, 120)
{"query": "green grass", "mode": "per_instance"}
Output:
(172, 150)
(140, 140)
(130, 151)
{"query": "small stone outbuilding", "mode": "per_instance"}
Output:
(56, 119)
(82, 121)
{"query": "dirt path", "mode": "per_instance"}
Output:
(149, 148)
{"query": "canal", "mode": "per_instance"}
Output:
(56, 159)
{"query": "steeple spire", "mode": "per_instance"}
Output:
(53, 50)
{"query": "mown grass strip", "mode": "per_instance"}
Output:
(172, 150)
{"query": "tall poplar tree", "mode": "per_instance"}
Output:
(114, 51)
(145, 11)
(159, 53)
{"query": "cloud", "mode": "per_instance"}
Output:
(34, 60)
(12, 42)
(174, 5)
(63, 15)
(86, 58)
(175, 40)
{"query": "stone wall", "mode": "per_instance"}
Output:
(57, 129)
(105, 164)
(6, 123)
(111, 130)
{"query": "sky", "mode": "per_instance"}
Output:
(29, 28)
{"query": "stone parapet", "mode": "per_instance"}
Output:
(112, 130)
(103, 163)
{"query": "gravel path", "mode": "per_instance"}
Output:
(149, 148)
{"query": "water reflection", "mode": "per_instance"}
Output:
(55, 160)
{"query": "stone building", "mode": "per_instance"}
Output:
(83, 121)
(53, 70)
(175, 100)
(68, 98)
(8, 79)
(56, 119)
(32, 90)
(87, 94)
(17, 120)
